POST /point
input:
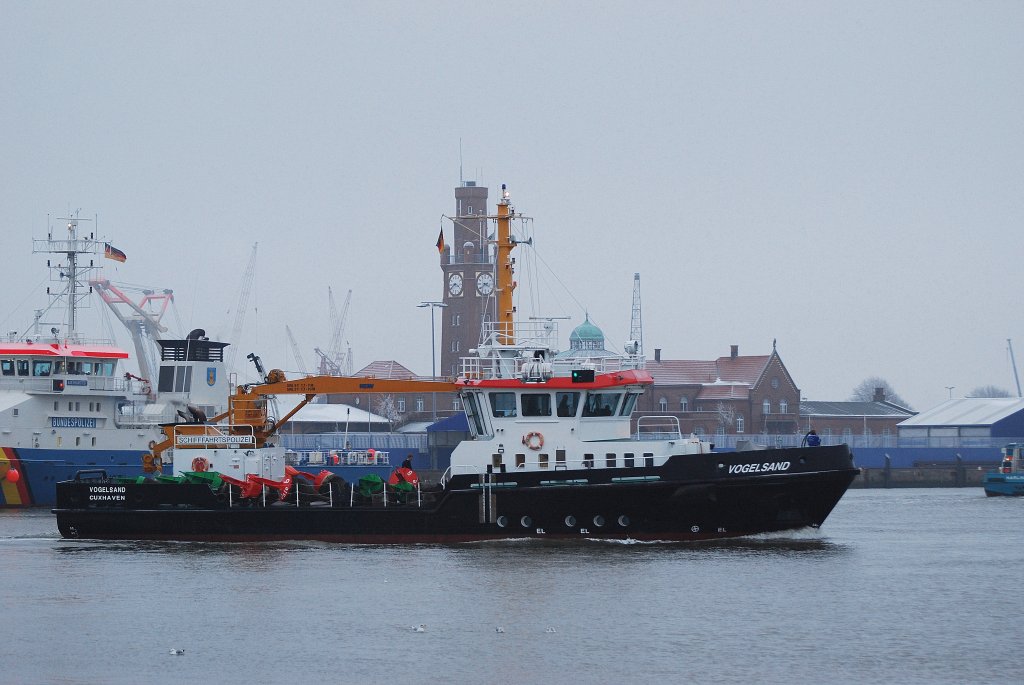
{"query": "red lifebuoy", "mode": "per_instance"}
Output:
(534, 440)
(200, 464)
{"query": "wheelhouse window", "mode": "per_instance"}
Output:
(536, 404)
(7, 367)
(568, 403)
(22, 365)
(503, 404)
(473, 414)
(601, 403)
(629, 404)
(42, 368)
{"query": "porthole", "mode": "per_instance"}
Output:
(526, 522)
(502, 521)
(599, 521)
(570, 521)
(623, 520)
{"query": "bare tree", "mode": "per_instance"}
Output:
(386, 408)
(990, 391)
(726, 416)
(865, 392)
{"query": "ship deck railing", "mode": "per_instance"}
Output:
(72, 383)
(342, 457)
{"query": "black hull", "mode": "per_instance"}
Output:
(693, 497)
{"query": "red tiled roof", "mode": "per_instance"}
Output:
(724, 391)
(391, 370)
(691, 372)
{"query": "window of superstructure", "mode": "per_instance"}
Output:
(78, 406)
(473, 414)
(503, 404)
(629, 404)
(542, 461)
(567, 402)
(7, 367)
(601, 403)
(78, 441)
(536, 404)
(22, 365)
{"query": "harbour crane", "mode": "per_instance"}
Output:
(295, 351)
(335, 361)
(243, 303)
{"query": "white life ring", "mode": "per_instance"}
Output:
(534, 440)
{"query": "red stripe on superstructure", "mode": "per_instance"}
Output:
(606, 380)
(57, 350)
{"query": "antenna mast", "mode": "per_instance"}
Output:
(636, 326)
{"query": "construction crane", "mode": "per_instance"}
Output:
(335, 361)
(243, 303)
(295, 351)
(142, 319)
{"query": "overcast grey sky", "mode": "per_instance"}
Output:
(842, 177)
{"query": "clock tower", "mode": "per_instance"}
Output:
(468, 268)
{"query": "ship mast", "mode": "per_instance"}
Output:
(503, 270)
(76, 273)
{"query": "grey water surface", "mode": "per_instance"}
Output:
(908, 586)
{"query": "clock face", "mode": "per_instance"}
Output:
(485, 283)
(455, 284)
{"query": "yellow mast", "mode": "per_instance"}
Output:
(503, 271)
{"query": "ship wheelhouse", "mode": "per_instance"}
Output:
(60, 367)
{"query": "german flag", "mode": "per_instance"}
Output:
(111, 252)
(440, 242)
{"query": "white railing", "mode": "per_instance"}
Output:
(658, 428)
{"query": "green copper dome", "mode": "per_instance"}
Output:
(586, 336)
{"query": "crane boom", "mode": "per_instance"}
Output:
(243, 304)
(295, 350)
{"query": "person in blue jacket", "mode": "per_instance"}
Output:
(812, 439)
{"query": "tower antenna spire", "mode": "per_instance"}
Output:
(636, 326)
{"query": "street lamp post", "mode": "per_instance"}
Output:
(433, 348)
